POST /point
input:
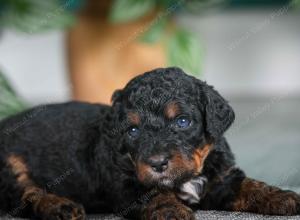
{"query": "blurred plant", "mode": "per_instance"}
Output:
(184, 51)
(296, 4)
(10, 103)
(182, 47)
(30, 16)
(33, 16)
(123, 11)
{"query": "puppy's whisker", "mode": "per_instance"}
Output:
(130, 158)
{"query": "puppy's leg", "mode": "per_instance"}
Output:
(166, 206)
(43, 204)
(258, 197)
(236, 192)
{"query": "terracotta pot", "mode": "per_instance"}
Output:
(103, 57)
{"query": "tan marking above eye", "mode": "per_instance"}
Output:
(134, 118)
(172, 110)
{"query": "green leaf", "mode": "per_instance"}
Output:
(197, 6)
(183, 50)
(295, 4)
(33, 16)
(10, 103)
(166, 3)
(155, 32)
(123, 11)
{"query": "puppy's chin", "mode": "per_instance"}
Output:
(165, 181)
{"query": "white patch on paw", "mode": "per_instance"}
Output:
(193, 190)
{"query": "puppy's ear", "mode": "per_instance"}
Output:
(218, 114)
(117, 96)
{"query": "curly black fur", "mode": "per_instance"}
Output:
(86, 153)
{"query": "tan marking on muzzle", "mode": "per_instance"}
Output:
(142, 171)
(200, 155)
(179, 164)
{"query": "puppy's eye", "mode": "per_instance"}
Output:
(133, 132)
(183, 122)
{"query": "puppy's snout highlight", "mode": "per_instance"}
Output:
(159, 163)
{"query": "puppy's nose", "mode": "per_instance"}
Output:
(159, 163)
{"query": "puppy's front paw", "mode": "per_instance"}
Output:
(282, 203)
(258, 197)
(167, 208)
(51, 207)
(173, 213)
(290, 203)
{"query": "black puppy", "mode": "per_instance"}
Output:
(155, 154)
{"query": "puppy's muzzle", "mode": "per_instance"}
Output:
(168, 169)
